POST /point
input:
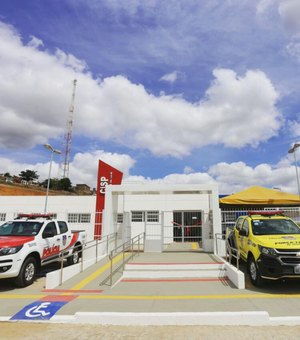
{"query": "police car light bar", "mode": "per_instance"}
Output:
(266, 212)
(35, 216)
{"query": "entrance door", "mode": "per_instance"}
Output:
(187, 226)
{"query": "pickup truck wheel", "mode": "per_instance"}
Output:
(74, 258)
(27, 273)
(255, 277)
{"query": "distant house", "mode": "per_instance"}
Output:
(83, 189)
(18, 180)
(9, 179)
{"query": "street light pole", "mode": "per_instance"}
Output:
(293, 150)
(53, 151)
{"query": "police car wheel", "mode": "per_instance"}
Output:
(255, 277)
(27, 273)
(74, 258)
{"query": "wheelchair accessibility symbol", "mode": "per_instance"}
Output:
(39, 310)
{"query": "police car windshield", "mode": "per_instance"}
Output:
(274, 227)
(20, 228)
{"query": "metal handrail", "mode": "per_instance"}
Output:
(232, 253)
(61, 256)
(125, 247)
(218, 236)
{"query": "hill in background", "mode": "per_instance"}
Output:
(20, 190)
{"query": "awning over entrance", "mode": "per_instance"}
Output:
(257, 195)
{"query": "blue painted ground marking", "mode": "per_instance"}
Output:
(39, 310)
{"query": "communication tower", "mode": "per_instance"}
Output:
(68, 135)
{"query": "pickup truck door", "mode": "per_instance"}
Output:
(65, 235)
(244, 238)
(51, 242)
(237, 228)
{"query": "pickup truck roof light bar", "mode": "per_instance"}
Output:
(266, 213)
(34, 216)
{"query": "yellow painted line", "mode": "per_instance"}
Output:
(194, 245)
(94, 275)
(162, 297)
(190, 297)
(19, 296)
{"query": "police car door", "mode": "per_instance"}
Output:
(51, 243)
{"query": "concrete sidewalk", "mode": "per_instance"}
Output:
(176, 300)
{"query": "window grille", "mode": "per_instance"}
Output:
(79, 218)
(152, 216)
(137, 216)
(120, 218)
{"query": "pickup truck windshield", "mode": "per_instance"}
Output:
(274, 227)
(20, 228)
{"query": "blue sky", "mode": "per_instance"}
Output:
(174, 91)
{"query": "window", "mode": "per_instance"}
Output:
(239, 223)
(50, 230)
(2, 216)
(246, 227)
(137, 216)
(152, 216)
(63, 228)
(79, 218)
(142, 216)
(120, 218)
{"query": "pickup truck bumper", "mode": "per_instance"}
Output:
(274, 268)
(9, 266)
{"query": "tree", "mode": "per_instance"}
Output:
(29, 175)
(58, 184)
(64, 184)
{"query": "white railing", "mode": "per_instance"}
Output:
(133, 246)
(90, 249)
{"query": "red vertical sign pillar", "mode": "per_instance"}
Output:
(106, 175)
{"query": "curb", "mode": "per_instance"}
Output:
(261, 318)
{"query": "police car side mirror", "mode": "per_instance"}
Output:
(243, 232)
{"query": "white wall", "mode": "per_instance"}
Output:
(124, 198)
(165, 198)
(60, 205)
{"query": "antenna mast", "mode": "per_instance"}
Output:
(68, 135)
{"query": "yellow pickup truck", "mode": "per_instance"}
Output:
(269, 242)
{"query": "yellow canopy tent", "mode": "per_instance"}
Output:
(257, 195)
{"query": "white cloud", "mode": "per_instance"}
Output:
(294, 129)
(263, 5)
(230, 177)
(172, 77)
(35, 93)
(169, 125)
(188, 170)
(237, 176)
(35, 42)
(234, 177)
(14, 168)
(83, 168)
(293, 49)
(70, 60)
(289, 10)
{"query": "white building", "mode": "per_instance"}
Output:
(166, 213)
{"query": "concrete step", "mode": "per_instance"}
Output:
(174, 266)
(172, 270)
